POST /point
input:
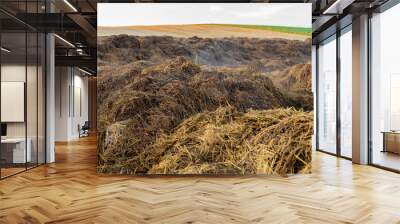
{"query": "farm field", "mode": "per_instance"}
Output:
(209, 31)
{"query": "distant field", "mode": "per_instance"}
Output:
(284, 29)
(210, 31)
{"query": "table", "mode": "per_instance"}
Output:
(13, 150)
(391, 141)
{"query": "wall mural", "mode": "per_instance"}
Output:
(204, 88)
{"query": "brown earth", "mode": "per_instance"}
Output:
(199, 30)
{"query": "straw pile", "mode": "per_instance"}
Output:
(160, 97)
(276, 141)
(295, 81)
(275, 54)
(200, 106)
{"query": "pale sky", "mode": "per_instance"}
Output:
(136, 14)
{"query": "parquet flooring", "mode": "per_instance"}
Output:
(10, 171)
(70, 191)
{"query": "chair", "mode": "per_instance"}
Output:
(84, 130)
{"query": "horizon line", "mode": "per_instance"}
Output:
(119, 26)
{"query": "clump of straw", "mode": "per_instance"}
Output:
(276, 141)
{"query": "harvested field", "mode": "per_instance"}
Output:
(202, 30)
(170, 105)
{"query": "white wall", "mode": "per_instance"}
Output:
(33, 126)
(62, 82)
(71, 94)
(14, 72)
(17, 72)
(80, 109)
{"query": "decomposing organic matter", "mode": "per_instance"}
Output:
(173, 105)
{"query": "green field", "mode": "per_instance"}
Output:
(284, 29)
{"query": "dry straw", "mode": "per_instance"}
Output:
(160, 112)
(276, 141)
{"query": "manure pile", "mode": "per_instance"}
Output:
(165, 109)
(274, 54)
(276, 141)
(295, 81)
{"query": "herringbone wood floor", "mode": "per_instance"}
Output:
(70, 191)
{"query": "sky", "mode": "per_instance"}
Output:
(147, 14)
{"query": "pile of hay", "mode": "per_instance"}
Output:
(276, 54)
(276, 141)
(295, 82)
(158, 98)
(171, 105)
